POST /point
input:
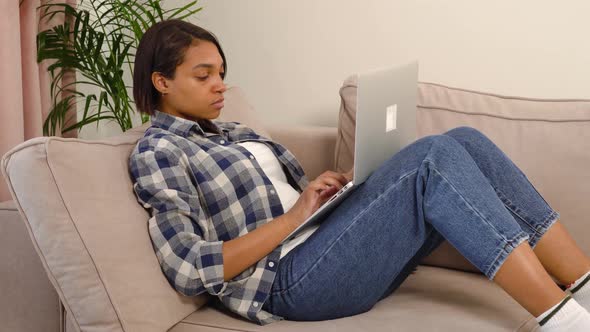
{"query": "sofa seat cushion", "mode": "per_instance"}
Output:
(432, 299)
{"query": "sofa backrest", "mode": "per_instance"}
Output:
(77, 201)
(548, 139)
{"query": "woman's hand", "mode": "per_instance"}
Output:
(349, 175)
(316, 194)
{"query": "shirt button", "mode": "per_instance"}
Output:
(272, 191)
(222, 142)
(255, 304)
(271, 264)
(251, 156)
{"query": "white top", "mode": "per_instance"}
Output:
(287, 194)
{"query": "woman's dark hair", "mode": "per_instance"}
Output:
(162, 49)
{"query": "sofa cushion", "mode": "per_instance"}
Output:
(77, 200)
(548, 139)
(431, 299)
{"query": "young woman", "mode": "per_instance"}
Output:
(223, 199)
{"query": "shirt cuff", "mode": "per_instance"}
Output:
(210, 267)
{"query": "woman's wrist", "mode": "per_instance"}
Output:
(291, 220)
(241, 252)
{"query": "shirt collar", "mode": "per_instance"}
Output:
(184, 127)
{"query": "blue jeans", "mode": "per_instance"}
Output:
(458, 186)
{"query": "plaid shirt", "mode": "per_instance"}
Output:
(203, 189)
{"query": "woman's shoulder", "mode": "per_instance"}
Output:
(158, 140)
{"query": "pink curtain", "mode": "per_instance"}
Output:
(24, 87)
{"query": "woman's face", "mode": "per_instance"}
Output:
(196, 91)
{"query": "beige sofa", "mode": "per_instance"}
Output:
(79, 210)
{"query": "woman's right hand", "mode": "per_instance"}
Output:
(316, 194)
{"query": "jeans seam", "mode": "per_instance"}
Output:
(504, 253)
(549, 220)
(509, 207)
(354, 221)
(541, 228)
(521, 236)
(546, 224)
(468, 203)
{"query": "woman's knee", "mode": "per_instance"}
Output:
(430, 139)
(432, 146)
(466, 133)
(440, 146)
(441, 140)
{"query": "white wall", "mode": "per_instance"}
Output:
(291, 56)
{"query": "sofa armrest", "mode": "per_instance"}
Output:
(312, 145)
(29, 302)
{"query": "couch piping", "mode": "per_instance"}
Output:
(498, 116)
(556, 100)
(213, 326)
(77, 140)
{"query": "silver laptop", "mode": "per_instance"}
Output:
(385, 124)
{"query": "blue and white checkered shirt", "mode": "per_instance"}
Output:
(203, 189)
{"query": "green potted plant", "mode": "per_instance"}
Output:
(98, 41)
